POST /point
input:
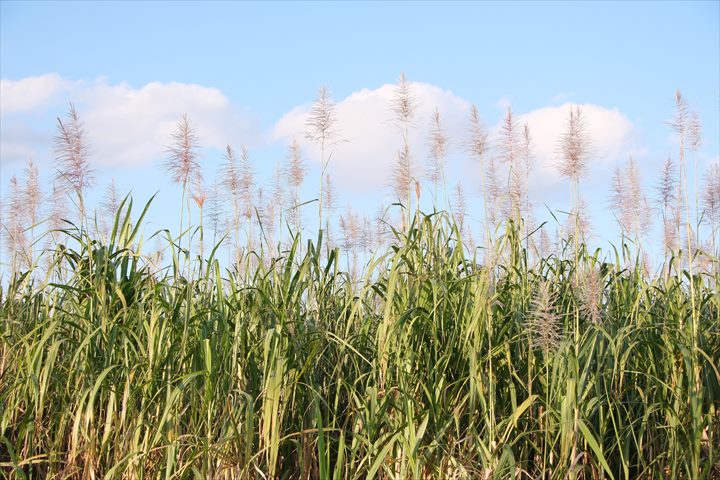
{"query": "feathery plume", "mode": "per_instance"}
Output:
(197, 192)
(329, 192)
(667, 199)
(182, 162)
(711, 199)
(404, 104)
(509, 141)
(32, 195)
(544, 249)
(476, 146)
(694, 131)
(460, 209)
(13, 228)
(667, 186)
(215, 209)
(495, 195)
(32, 199)
(230, 174)
(526, 148)
(510, 148)
(543, 321)
(71, 150)
(247, 182)
(574, 146)
(231, 188)
(109, 206)
(321, 130)
(58, 210)
(296, 175)
(438, 150)
(321, 120)
(296, 165)
(350, 227)
(574, 150)
(110, 201)
(477, 142)
(402, 174)
(590, 289)
(637, 203)
(278, 194)
(617, 198)
(381, 226)
(528, 160)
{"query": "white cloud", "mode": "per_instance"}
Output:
(364, 119)
(612, 134)
(125, 125)
(132, 126)
(30, 93)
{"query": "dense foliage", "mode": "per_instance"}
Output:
(432, 365)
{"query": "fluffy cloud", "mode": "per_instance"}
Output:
(364, 119)
(125, 125)
(30, 93)
(612, 135)
(364, 159)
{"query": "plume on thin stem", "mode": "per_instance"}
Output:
(182, 162)
(329, 192)
(477, 140)
(110, 201)
(321, 130)
(574, 146)
(198, 192)
(402, 174)
(629, 202)
(667, 186)
(247, 182)
(617, 197)
(509, 141)
(230, 174)
(32, 195)
(321, 120)
(460, 207)
(71, 151)
(32, 201)
(230, 183)
(215, 211)
(404, 104)
(13, 226)
(438, 150)
(574, 150)
(404, 107)
(476, 145)
(687, 135)
(495, 195)
(711, 201)
(667, 200)
(296, 165)
(278, 194)
(511, 150)
(109, 206)
(296, 175)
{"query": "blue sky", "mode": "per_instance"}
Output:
(247, 72)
